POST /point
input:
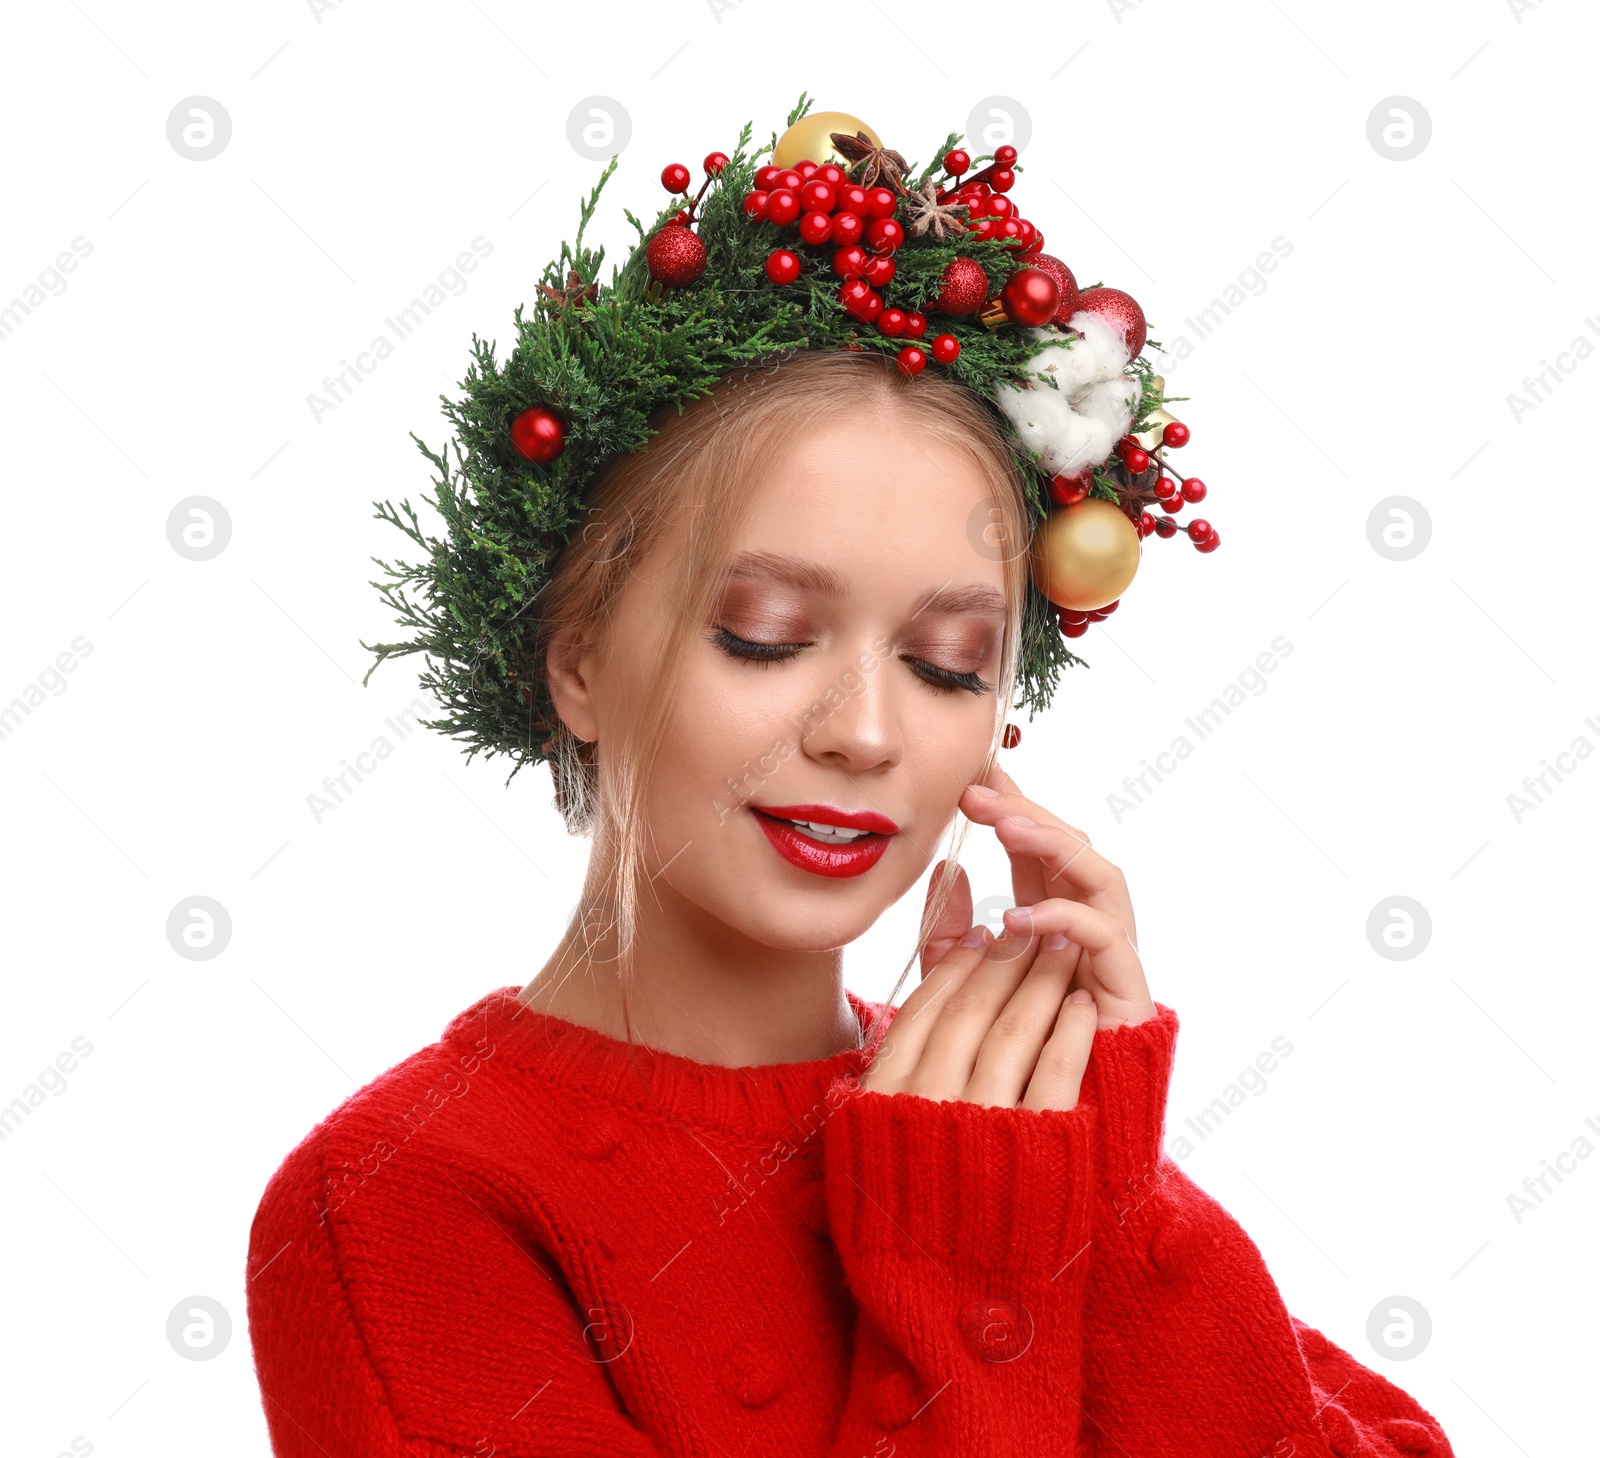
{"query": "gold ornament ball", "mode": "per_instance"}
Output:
(808, 140)
(1085, 556)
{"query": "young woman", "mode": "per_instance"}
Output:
(685, 1193)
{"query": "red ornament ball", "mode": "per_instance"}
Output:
(1030, 297)
(1005, 156)
(1176, 434)
(766, 178)
(881, 203)
(963, 287)
(1002, 179)
(916, 324)
(1199, 529)
(1194, 489)
(892, 322)
(783, 267)
(1068, 285)
(912, 361)
(676, 256)
(714, 163)
(1121, 314)
(538, 434)
(1070, 490)
(1011, 737)
(853, 199)
(870, 307)
(956, 162)
(1137, 462)
(675, 177)
(1210, 544)
(790, 179)
(755, 204)
(946, 347)
(831, 174)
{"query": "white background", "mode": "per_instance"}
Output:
(1171, 143)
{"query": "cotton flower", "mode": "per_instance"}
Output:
(1076, 424)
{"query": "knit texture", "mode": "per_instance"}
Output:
(533, 1241)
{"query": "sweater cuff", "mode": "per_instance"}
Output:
(1126, 1082)
(1007, 1191)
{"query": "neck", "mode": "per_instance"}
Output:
(698, 988)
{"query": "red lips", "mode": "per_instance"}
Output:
(801, 850)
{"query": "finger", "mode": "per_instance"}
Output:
(955, 920)
(1058, 1075)
(1117, 967)
(968, 1013)
(1070, 864)
(1009, 1052)
(916, 1017)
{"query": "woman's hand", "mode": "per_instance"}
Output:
(1063, 886)
(991, 1023)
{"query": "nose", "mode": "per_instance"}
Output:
(850, 721)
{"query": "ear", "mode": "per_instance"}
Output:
(569, 669)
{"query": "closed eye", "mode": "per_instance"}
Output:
(939, 680)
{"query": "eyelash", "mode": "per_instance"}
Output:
(937, 680)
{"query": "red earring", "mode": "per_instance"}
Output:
(1011, 738)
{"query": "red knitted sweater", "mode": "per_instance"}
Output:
(521, 1242)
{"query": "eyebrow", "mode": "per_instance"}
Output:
(815, 577)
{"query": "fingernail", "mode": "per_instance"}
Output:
(983, 791)
(1080, 994)
(1055, 942)
(976, 937)
(1021, 917)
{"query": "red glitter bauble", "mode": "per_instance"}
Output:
(676, 256)
(963, 287)
(1121, 314)
(1030, 297)
(1064, 281)
(538, 434)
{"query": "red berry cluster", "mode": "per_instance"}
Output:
(859, 226)
(1173, 494)
(1075, 624)
(990, 213)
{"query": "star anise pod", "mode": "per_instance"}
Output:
(877, 164)
(929, 214)
(576, 291)
(1134, 493)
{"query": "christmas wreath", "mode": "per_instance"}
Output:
(836, 242)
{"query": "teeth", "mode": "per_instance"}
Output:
(834, 834)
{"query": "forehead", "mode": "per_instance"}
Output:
(874, 496)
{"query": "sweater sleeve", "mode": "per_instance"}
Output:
(1189, 1348)
(963, 1231)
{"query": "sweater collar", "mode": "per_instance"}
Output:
(761, 1099)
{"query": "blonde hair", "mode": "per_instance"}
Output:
(693, 483)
